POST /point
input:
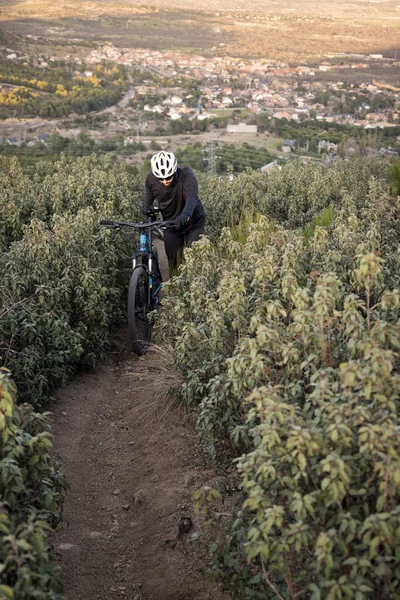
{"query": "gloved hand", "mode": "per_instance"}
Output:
(149, 212)
(181, 221)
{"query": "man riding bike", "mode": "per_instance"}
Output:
(176, 191)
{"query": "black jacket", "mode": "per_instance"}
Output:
(180, 197)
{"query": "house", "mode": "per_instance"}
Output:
(157, 108)
(289, 143)
(43, 137)
(226, 101)
(254, 107)
(324, 66)
(185, 110)
(281, 102)
(302, 110)
(15, 141)
(270, 166)
(176, 100)
(324, 146)
(374, 116)
(303, 70)
(282, 115)
(174, 116)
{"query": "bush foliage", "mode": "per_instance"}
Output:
(286, 330)
(31, 488)
(61, 289)
(61, 292)
(287, 333)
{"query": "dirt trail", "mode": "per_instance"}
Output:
(132, 464)
(130, 457)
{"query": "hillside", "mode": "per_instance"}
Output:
(293, 30)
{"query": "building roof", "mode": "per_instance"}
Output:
(269, 166)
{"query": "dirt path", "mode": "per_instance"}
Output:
(129, 454)
(132, 464)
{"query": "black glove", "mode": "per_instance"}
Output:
(181, 221)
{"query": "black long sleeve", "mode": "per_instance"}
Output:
(191, 193)
(180, 197)
(148, 198)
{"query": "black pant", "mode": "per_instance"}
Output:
(175, 241)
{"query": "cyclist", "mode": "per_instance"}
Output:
(175, 189)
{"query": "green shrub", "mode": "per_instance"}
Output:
(395, 176)
(294, 195)
(289, 350)
(31, 487)
(62, 277)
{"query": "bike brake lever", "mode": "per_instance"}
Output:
(158, 232)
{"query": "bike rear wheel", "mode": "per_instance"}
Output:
(138, 307)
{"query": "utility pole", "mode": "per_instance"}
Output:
(212, 158)
(138, 127)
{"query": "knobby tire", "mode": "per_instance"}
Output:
(138, 323)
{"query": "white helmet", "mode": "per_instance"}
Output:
(164, 165)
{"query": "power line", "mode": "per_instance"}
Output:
(236, 152)
(243, 157)
(246, 161)
(94, 150)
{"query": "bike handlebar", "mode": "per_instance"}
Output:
(118, 224)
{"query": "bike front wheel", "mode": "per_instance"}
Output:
(138, 308)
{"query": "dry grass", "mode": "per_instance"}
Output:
(293, 29)
(308, 38)
(156, 380)
(64, 9)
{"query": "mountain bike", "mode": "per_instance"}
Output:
(145, 282)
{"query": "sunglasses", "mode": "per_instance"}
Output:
(167, 180)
